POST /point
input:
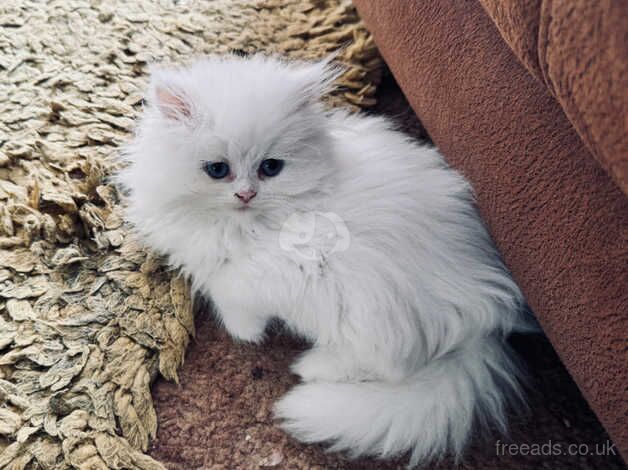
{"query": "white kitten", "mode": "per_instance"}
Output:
(359, 239)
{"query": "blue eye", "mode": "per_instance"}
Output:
(216, 170)
(271, 167)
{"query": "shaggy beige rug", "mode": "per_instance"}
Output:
(88, 319)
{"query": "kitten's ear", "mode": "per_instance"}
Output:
(168, 96)
(317, 78)
(172, 104)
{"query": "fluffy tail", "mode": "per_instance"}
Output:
(431, 413)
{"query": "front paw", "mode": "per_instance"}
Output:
(245, 328)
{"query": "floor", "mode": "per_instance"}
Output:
(220, 415)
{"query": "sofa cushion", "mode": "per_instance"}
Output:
(579, 50)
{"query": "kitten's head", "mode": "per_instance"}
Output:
(230, 137)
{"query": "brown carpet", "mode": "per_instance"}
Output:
(220, 416)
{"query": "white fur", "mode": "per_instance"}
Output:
(408, 319)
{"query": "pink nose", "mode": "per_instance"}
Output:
(245, 196)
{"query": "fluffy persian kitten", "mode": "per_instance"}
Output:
(360, 240)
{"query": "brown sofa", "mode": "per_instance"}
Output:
(528, 99)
